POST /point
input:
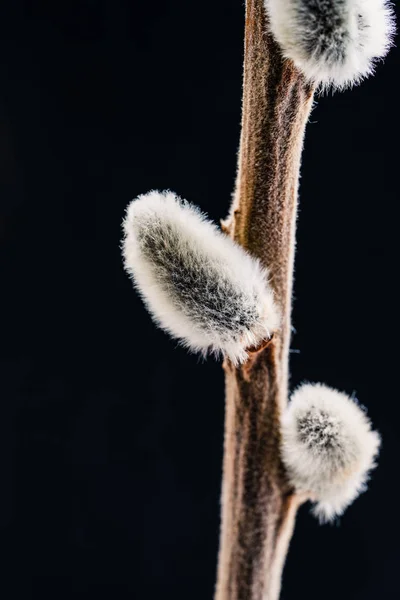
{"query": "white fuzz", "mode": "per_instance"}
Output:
(333, 42)
(328, 447)
(197, 283)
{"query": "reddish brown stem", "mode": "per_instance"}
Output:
(258, 506)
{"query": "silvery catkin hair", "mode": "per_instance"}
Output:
(197, 283)
(334, 42)
(328, 447)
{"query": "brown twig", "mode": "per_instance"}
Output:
(258, 505)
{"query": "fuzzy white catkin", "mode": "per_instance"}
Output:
(197, 283)
(333, 42)
(328, 447)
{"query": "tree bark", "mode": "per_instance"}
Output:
(258, 505)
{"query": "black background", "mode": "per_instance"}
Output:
(110, 435)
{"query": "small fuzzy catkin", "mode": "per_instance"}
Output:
(197, 283)
(333, 42)
(328, 447)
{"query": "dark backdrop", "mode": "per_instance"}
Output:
(110, 435)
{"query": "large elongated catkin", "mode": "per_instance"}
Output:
(197, 283)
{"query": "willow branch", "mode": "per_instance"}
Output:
(204, 289)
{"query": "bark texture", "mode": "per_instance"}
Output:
(258, 506)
